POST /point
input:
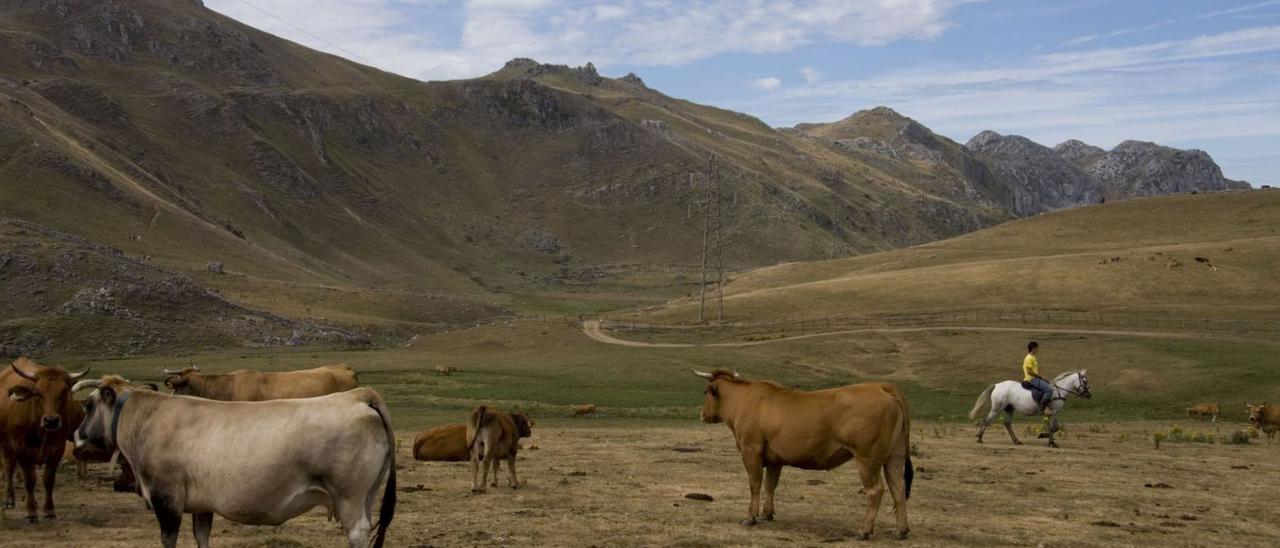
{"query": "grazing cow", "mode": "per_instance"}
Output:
(36, 420)
(776, 426)
(584, 410)
(445, 370)
(1211, 410)
(259, 463)
(1265, 418)
(250, 385)
(493, 435)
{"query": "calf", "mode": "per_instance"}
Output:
(1265, 418)
(493, 435)
(584, 410)
(1211, 410)
(445, 370)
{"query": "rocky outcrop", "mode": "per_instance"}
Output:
(1038, 177)
(1136, 168)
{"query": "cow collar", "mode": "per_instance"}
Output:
(115, 418)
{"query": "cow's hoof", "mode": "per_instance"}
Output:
(902, 535)
(768, 517)
(979, 440)
(1016, 442)
(31, 519)
(862, 536)
(10, 504)
(50, 516)
(748, 522)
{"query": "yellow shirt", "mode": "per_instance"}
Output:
(1030, 368)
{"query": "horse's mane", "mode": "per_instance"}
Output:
(1065, 375)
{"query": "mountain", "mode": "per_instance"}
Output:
(1015, 174)
(339, 194)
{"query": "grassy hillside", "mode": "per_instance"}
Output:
(1136, 257)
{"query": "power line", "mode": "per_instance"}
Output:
(306, 32)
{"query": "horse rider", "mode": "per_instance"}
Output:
(1031, 375)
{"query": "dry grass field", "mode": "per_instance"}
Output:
(587, 485)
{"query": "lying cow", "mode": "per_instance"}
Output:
(1211, 410)
(250, 462)
(445, 370)
(1266, 418)
(584, 410)
(250, 385)
(493, 435)
(446, 443)
(776, 426)
(36, 419)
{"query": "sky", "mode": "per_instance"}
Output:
(1190, 74)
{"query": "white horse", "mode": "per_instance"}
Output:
(1010, 396)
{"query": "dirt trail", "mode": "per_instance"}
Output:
(592, 329)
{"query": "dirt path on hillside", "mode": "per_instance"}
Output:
(592, 329)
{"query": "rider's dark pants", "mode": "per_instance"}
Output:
(1044, 387)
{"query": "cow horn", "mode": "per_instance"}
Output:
(701, 374)
(167, 372)
(87, 383)
(77, 375)
(736, 375)
(22, 373)
(195, 367)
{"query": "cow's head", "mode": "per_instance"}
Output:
(524, 424)
(1255, 414)
(715, 382)
(99, 410)
(180, 381)
(49, 389)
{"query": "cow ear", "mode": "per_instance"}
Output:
(151, 386)
(21, 393)
(108, 395)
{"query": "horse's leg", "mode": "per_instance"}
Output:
(990, 417)
(1053, 428)
(1008, 425)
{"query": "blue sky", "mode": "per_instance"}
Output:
(1190, 74)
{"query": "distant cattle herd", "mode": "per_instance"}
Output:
(345, 456)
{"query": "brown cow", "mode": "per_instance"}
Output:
(776, 426)
(1211, 410)
(1265, 418)
(447, 443)
(36, 420)
(250, 385)
(492, 435)
(584, 410)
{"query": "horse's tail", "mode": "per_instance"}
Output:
(983, 400)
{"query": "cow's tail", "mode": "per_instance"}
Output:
(473, 426)
(983, 399)
(388, 510)
(904, 429)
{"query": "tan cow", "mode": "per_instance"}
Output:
(443, 443)
(493, 435)
(1211, 410)
(36, 419)
(584, 410)
(1266, 418)
(125, 481)
(776, 426)
(258, 463)
(445, 370)
(250, 385)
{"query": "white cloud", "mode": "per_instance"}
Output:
(389, 33)
(1164, 23)
(767, 84)
(811, 75)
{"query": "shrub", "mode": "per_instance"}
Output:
(1178, 435)
(1239, 437)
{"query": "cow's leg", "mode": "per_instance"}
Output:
(169, 514)
(29, 483)
(82, 469)
(354, 515)
(10, 465)
(771, 475)
(476, 485)
(755, 473)
(1008, 425)
(987, 422)
(894, 475)
(874, 490)
(511, 466)
(201, 525)
(493, 467)
(50, 477)
(485, 465)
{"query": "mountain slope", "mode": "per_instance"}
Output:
(1205, 256)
